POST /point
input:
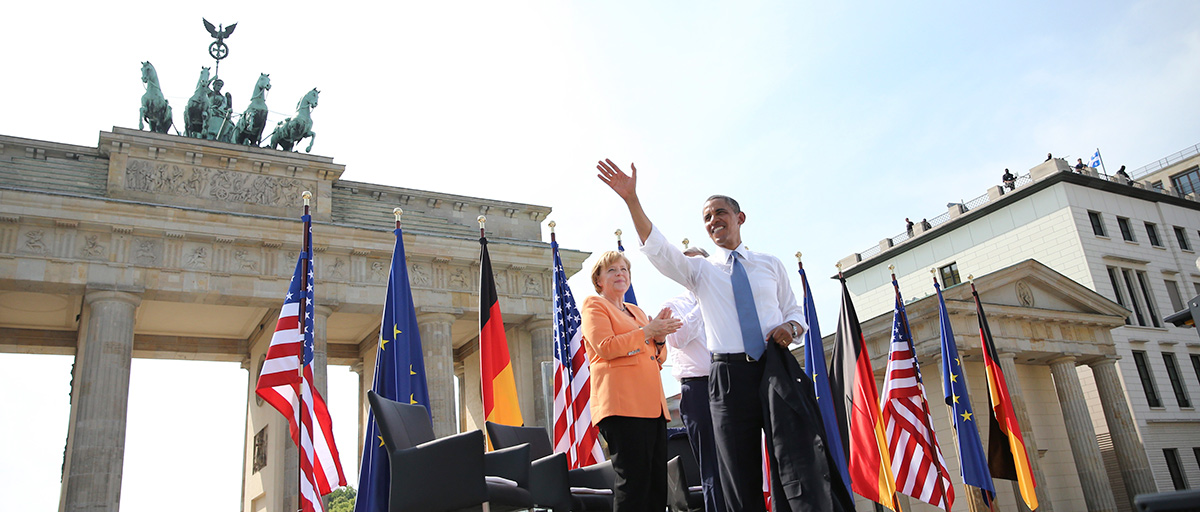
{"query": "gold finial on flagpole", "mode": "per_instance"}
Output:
(891, 268)
(685, 243)
(618, 233)
(397, 211)
(839, 266)
(307, 196)
(798, 255)
(552, 224)
(481, 220)
(971, 278)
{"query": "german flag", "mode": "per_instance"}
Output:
(851, 376)
(1007, 458)
(496, 372)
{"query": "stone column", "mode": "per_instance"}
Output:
(320, 364)
(1008, 365)
(541, 333)
(439, 369)
(1082, 435)
(1131, 454)
(93, 473)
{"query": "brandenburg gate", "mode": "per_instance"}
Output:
(159, 246)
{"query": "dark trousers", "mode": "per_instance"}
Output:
(733, 393)
(693, 406)
(638, 450)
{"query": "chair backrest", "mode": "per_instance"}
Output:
(401, 425)
(677, 446)
(505, 436)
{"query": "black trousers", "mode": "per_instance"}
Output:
(638, 450)
(733, 396)
(697, 417)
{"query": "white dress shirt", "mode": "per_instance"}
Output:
(709, 280)
(689, 356)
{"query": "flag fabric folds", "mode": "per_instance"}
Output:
(857, 406)
(972, 461)
(1007, 457)
(574, 433)
(1096, 160)
(496, 371)
(280, 384)
(629, 296)
(814, 365)
(918, 466)
(399, 376)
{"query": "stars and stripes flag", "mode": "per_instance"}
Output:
(972, 461)
(917, 462)
(280, 384)
(574, 433)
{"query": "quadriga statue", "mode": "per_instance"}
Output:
(155, 109)
(292, 130)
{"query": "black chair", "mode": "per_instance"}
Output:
(684, 491)
(1173, 501)
(447, 474)
(550, 481)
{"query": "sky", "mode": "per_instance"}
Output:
(830, 122)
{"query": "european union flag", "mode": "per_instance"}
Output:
(971, 457)
(399, 376)
(814, 365)
(629, 296)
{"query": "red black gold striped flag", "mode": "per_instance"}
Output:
(1007, 457)
(496, 372)
(850, 375)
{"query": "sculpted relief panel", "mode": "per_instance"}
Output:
(222, 185)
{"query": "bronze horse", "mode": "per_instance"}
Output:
(250, 126)
(294, 129)
(155, 109)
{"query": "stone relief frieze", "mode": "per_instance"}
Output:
(533, 284)
(92, 248)
(501, 282)
(419, 274)
(337, 270)
(218, 184)
(197, 257)
(245, 261)
(378, 272)
(1024, 294)
(146, 251)
(35, 241)
(458, 278)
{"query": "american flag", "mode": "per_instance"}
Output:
(279, 383)
(574, 433)
(917, 462)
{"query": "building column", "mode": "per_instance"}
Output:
(439, 369)
(1131, 454)
(320, 364)
(1008, 365)
(541, 334)
(1082, 434)
(93, 465)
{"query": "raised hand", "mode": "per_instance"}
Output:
(662, 325)
(623, 184)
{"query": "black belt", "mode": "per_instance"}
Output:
(686, 380)
(733, 357)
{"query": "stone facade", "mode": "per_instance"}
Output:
(153, 245)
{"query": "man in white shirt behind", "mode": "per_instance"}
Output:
(689, 360)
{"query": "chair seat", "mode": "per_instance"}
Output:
(503, 497)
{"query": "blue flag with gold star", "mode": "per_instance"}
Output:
(399, 376)
(972, 460)
(814, 366)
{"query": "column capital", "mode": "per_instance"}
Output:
(323, 310)
(424, 316)
(1007, 355)
(1109, 359)
(93, 296)
(1067, 358)
(539, 322)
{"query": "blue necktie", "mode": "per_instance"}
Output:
(743, 298)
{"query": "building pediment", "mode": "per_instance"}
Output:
(1038, 288)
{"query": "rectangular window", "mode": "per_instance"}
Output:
(1173, 293)
(950, 275)
(1188, 181)
(1151, 306)
(1152, 234)
(1182, 238)
(1176, 468)
(1134, 304)
(1126, 231)
(1196, 453)
(1181, 395)
(1097, 223)
(1196, 285)
(1116, 284)
(1195, 364)
(1143, 369)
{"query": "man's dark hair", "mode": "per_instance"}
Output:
(731, 201)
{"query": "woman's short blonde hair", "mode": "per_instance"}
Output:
(606, 259)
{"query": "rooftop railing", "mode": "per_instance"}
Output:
(1165, 162)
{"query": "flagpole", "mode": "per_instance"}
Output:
(1101, 161)
(303, 341)
(568, 399)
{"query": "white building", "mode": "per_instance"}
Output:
(1133, 242)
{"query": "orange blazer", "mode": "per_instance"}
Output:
(624, 367)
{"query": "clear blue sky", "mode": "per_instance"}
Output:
(829, 122)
